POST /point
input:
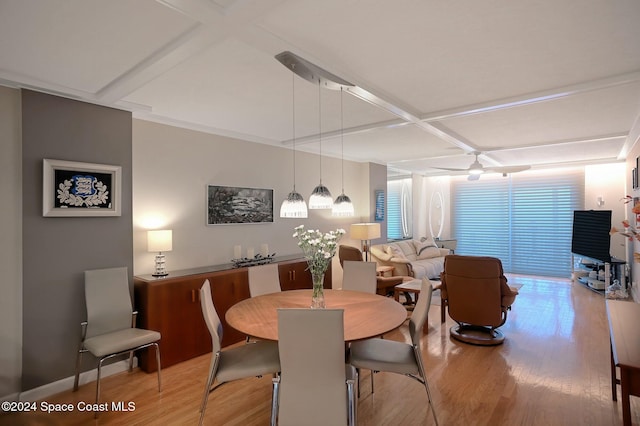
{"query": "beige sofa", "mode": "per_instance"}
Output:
(411, 258)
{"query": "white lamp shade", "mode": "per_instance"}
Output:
(365, 231)
(320, 198)
(159, 240)
(294, 206)
(342, 206)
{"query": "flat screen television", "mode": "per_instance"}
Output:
(591, 236)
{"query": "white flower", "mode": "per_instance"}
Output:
(317, 247)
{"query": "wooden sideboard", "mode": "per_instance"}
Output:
(623, 317)
(171, 305)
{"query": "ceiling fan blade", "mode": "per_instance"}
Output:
(449, 169)
(509, 169)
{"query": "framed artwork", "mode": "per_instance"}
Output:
(231, 205)
(80, 189)
(379, 215)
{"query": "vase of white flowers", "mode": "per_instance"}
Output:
(318, 249)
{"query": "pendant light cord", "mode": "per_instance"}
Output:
(342, 137)
(320, 125)
(293, 122)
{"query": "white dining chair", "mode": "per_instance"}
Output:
(315, 386)
(398, 357)
(256, 359)
(359, 276)
(110, 329)
(264, 279)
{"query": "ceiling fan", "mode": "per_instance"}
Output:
(476, 169)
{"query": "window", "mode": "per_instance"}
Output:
(399, 206)
(525, 220)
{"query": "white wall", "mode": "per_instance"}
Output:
(172, 167)
(631, 163)
(608, 181)
(10, 243)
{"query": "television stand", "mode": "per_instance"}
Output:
(597, 275)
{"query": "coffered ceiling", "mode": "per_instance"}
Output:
(533, 82)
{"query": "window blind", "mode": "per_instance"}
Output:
(525, 219)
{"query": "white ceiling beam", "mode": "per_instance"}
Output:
(212, 25)
(532, 98)
(390, 124)
(601, 138)
(633, 137)
(190, 43)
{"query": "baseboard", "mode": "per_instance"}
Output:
(62, 385)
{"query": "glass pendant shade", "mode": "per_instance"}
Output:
(320, 198)
(294, 206)
(342, 206)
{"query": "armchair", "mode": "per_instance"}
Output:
(474, 291)
(384, 285)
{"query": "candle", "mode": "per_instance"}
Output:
(264, 249)
(250, 253)
(237, 252)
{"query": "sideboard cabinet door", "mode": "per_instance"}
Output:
(295, 275)
(172, 307)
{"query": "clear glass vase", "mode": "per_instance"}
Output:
(317, 299)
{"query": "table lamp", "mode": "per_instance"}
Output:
(159, 241)
(365, 232)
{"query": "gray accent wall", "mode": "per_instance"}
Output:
(10, 243)
(57, 250)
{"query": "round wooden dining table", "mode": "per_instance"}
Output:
(365, 315)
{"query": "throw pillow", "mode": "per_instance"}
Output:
(395, 251)
(429, 252)
(426, 249)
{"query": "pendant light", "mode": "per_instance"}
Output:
(343, 205)
(320, 197)
(294, 205)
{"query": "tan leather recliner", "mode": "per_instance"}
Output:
(384, 285)
(475, 292)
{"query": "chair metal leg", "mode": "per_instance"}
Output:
(78, 362)
(351, 407)
(213, 367)
(81, 350)
(372, 372)
(158, 363)
(423, 376)
(95, 416)
(275, 401)
(130, 361)
(433, 410)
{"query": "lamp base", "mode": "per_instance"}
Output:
(365, 249)
(161, 270)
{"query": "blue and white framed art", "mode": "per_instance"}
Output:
(74, 189)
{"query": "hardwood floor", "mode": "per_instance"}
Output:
(553, 369)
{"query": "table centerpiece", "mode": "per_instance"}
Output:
(318, 249)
